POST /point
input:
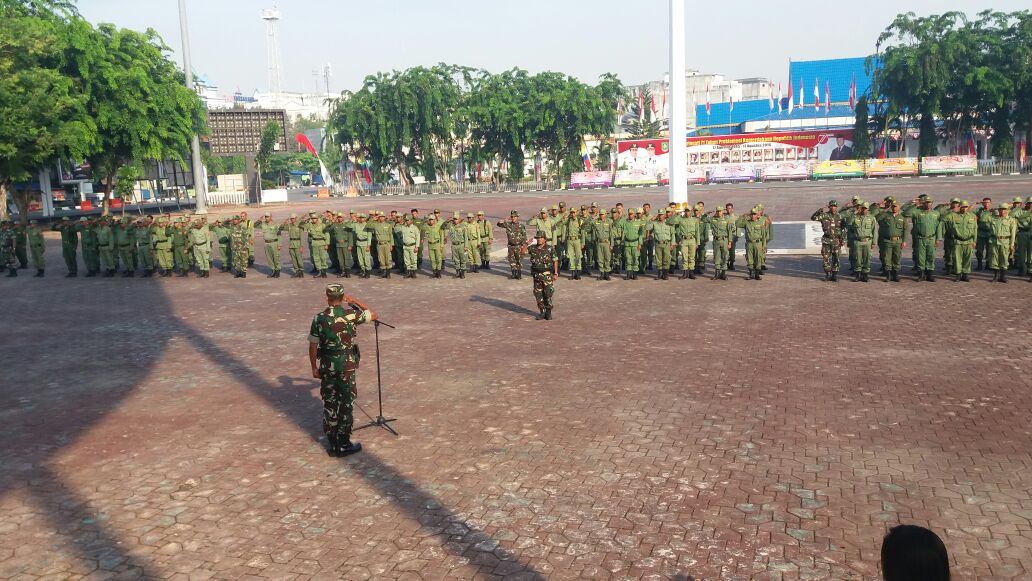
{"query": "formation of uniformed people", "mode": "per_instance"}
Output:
(997, 239)
(584, 240)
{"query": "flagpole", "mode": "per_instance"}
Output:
(678, 120)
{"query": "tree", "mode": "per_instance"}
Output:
(136, 96)
(42, 109)
(861, 130)
(647, 127)
(266, 147)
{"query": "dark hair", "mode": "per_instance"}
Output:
(913, 553)
(987, 198)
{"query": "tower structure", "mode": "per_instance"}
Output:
(271, 16)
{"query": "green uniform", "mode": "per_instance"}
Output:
(457, 236)
(704, 236)
(179, 248)
(588, 252)
(334, 331)
(200, 242)
(962, 229)
(633, 232)
(37, 246)
(106, 247)
(832, 226)
(722, 230)
(982, 241)
(342, 245)
(318, 240)
(409, 236)
(90, 248)
(574, 235)
(1002, 239)
(927, 230)
(847, 214)
(434, 236)
(733, 218)
(126, 244)
(295, 238)
(383, 233)
(515, 241)
(945, 211)
(545, 225)
(363, 246)
(602, 232)
(892, 232)
(756, 232)
(662, 236)
(69, 244)
(144, 252)
(542, 268)
(486, 239)
(863, 227)
(1023, 254)
(238, 239)
(558, 241)
(271, 235)
(161, 241)
(618, 244)
(473, 244)
(687, 232)
(221, 250)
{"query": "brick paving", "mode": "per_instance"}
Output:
(718, 430)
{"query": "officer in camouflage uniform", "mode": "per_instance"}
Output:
(249, 234)
(516, 242)
(962, 228)
(7, 245)
(238, 241)
(37, 246)
(832, 224)
(334, 357)
(544, 267)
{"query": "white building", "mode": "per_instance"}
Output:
(297, 105)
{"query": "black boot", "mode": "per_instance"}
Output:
(723, 275)
(322, 274)
(957, 277)
(964, 278)
(627, 275)
(275, 274)
(691, 275)
(39, 273)
(519, 274)
(548, 314)
(864, 278)
(716, 275)
(827, 275)
(1003, 275)
(996, 275)
(759, 273)
(856, 276)
(462, 274)
(271, 275)
(332, 445)
(347, 448)
(512, 274)
(684, 274)
(12, 271)
(834, 277)
(930, 275)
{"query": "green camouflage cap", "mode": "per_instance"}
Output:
(431, 217)
(1029, 200)
(545, 210)
(469, 214)
(857, 198)
(335, 291)
(955, 201)
(890, 199)
(964, 204)
(293, 215)
(554, 207)
(832, 203)
(923, 197)
(562, 204)
(1017, 200)
(457, 215)
(754, 210)
(540, 234)
(514, 213)
(1004, 206)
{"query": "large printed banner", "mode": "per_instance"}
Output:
(849, 168)
(786, 170)
(591, 179)
(635, 177)
(732, 173)
(899, 166)
(696, 175)
(949, 164)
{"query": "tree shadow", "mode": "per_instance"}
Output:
(504, 305)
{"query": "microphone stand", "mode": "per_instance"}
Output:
(379, 420)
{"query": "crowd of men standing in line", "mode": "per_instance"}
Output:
(997, 239)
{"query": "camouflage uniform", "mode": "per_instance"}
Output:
(831, 241)
(7, 244)
(542, 263)
(239, 236)
(333, 331)
(516, 239)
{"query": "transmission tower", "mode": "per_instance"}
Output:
(271, 16)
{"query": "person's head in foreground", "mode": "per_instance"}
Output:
(913, 553)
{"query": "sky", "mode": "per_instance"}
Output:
(736, 38)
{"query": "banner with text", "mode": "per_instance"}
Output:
(786, 170)
(847, 168)
(899, 166)
(591, 179)
(635, 177)
(948, 164)
(732, 173)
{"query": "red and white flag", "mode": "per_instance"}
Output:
(707, 100)
(779, 97)
(827, 97)
(881, 150)
(802, 94)
(816, 94)
(641, 105)
(653, 106)
(852, 93)
(791, 99)
(663, 108)
(770, 98)
(730, 102)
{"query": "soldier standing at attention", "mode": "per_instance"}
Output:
(755, 232)
(473, 243)
(618, 245)
(220, 244)
(831, 241)
(962, 228)
(1020, 254)
(37, 247)
(271, 235)
(295, 234)
(722, 230)
(602, 233)
(90, 246)
(342, 244)
(317, 239)
(409, 236)
(1025, 229)
(515, 241)
(647, 260)
(729, 213)
(1003, 235)
(106, 247)
(767, 236)
(927, 229)
(945, 211)
(982, 242)
(161, 241)
(124, 240)
(662, 235)
(144, 252)
(363, 245)
(633, 232)
(69, 244)
(686, 233)
(486, 240)
(544, 267)
(557, 240)
(704, 236)
(588, 253)
(847, 214)
(238, 241)
(892, 230)
(863, 226)
(21, 243)
(418, 223)
(249, 234)
(458, 236)
(434, 236)
(573, 229)
(334, 357)
(200, 239)
(384, 234)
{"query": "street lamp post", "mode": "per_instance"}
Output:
(678, 170)
(200, 185)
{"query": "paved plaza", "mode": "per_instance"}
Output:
(170, 428)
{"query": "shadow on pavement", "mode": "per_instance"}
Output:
(504, 305)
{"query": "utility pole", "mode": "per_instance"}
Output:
(678, 170)
(200, 184)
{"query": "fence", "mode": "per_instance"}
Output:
(999, 167)
(227, 198)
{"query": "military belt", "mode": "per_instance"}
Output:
(926, 237)
(298, 239)
(862, 239)
(895, 237)
(964, 239)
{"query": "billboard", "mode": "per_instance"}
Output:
(948, 164)
(591, 179)
(745, 148)
(732, 173)
(634, 177)
(849, 168)
(238, 131)
(898, 166)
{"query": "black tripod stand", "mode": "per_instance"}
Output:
(379, 420)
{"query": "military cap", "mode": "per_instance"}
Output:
(923, 197)
(865, 206)
(928, 198)
(544, 210)
(1017, 200)
(64, 219)
(554, 207)
(1029, 200)
(408, 217)
(293, 215)
(614, 211)
(562, 204)
(268, 215)
(754, 210)
(456, 215)
(469, 214)
(1004, 206)
(857, 198)
(964, 204)
(335, 290)
(759, 206)
(832, 203)
(436, 211)
(82, 219)
(480, 213)
(431, 217)
(583, 207)
(514, 213)
(894, 203)
(594, 205)
(340, 214)
(313, 213)
(540, 234)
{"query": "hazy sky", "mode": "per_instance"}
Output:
(737, 38)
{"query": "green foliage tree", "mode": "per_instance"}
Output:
(647, 127)
(42, 110)
(136, 96)
(861, 130)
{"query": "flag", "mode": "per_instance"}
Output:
(707, 100)
(881, 150)
(695, 101)
(664, 103)
(641, 105)
(653, 105)
(303, 140)
(619, 106)
(802, 95)
(730, 102)
(816, 95)
(779, 97)
(770, 98)
(827, 97)
(971, 148)
(852, 93)
(585, 156)
(791, 99)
